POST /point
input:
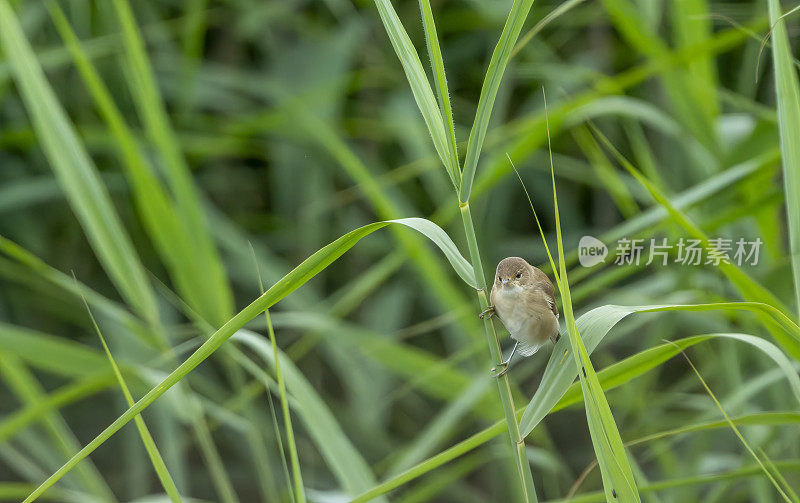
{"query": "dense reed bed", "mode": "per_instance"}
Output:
(244, 246)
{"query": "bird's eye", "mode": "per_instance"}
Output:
(519, 275)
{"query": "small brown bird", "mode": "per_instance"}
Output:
(523, 298)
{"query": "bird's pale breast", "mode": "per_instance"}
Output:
(525, 315)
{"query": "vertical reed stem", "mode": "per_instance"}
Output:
(523, 467)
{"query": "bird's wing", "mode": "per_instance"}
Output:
(542, 282)
(552, 303)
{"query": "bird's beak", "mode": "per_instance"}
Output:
(504, 281)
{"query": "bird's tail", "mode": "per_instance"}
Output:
(525, 348)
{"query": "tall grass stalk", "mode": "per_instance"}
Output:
(503, 386)
(438, 121)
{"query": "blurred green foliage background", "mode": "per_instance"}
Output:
(236, 138)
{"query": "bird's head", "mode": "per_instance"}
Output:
(512, 272)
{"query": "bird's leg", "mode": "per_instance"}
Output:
(504, 366)
(489, 311)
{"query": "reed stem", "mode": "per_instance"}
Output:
(517, 441)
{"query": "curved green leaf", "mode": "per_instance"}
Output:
(650, 358)
(443, 241)
(594, 326)
(286, 285)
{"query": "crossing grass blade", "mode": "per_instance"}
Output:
(438, 427)
(776, 473)
(426, 372)
(147, 439)
(345, 462)
(787, 92)
(75, 170)
(491, 85)
(420, 87)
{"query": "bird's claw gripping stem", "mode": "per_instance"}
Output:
(500, 370)
(487, 313)
(503, 367)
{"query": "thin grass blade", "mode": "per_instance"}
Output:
(147, 439)
(299, 489)
(737, 432)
